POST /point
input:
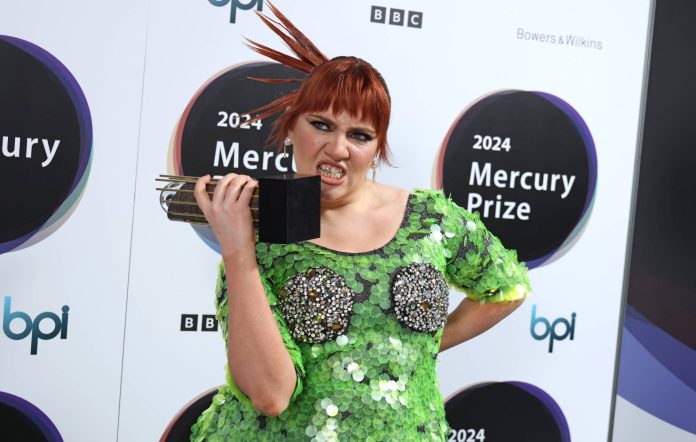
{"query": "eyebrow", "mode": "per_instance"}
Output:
(355, 128)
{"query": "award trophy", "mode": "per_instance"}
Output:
(284, 208)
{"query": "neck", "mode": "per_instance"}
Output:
(354, 199)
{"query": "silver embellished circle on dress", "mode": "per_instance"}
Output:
(317, 305)
(420, 296)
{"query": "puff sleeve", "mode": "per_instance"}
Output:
(290, 345)
(477, 263)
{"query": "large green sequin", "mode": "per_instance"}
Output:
(378, 378)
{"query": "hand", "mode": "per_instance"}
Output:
(228, 212)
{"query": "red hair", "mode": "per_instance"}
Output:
(342, 84)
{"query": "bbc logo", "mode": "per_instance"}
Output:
(208, 323)
(397, 17)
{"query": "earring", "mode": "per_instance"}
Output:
(287, 142)
(373, 166)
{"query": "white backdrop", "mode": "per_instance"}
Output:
(84, 264)
(463, 51)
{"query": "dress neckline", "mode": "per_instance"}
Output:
(404, 222)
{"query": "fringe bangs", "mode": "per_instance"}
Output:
(342, 84)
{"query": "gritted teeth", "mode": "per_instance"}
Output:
(330, 171)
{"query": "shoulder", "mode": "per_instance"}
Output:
(453, 220)
(387, 202)
(385, 195)
(429, 194)
(435, 202)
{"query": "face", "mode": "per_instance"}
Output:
(337, 147)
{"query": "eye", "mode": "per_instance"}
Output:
(319, 125)
(361, 136)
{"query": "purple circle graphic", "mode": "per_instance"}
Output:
(179, 429)
(22, 420)
(45, 143)
(506, 412)
(212, 135)
(526, 162)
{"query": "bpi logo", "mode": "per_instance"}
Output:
(550, 328)
(238, 4)
(33, 327)
(413, 19)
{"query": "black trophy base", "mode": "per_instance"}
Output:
(289, 208)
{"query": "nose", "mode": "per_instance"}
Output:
(337, 148)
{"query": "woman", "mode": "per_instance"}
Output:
(337, 338)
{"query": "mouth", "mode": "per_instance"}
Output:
(332, 172)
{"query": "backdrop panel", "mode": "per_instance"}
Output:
(656, 377)
(580, 286)
(69, 117)
(527, 113)
(575, 64)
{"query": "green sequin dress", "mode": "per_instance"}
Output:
(363, 329)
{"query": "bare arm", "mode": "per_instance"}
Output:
(258, 360)
(471, 318)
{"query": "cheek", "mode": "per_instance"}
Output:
(305, 154)
(362, 159)
(304, 140)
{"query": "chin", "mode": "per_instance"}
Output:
(330, 194)
(333, 193)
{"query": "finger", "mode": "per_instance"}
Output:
(221, 188)
(247, 191)
(200, 192)
(235, 188)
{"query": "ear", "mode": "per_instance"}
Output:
(291, 128)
